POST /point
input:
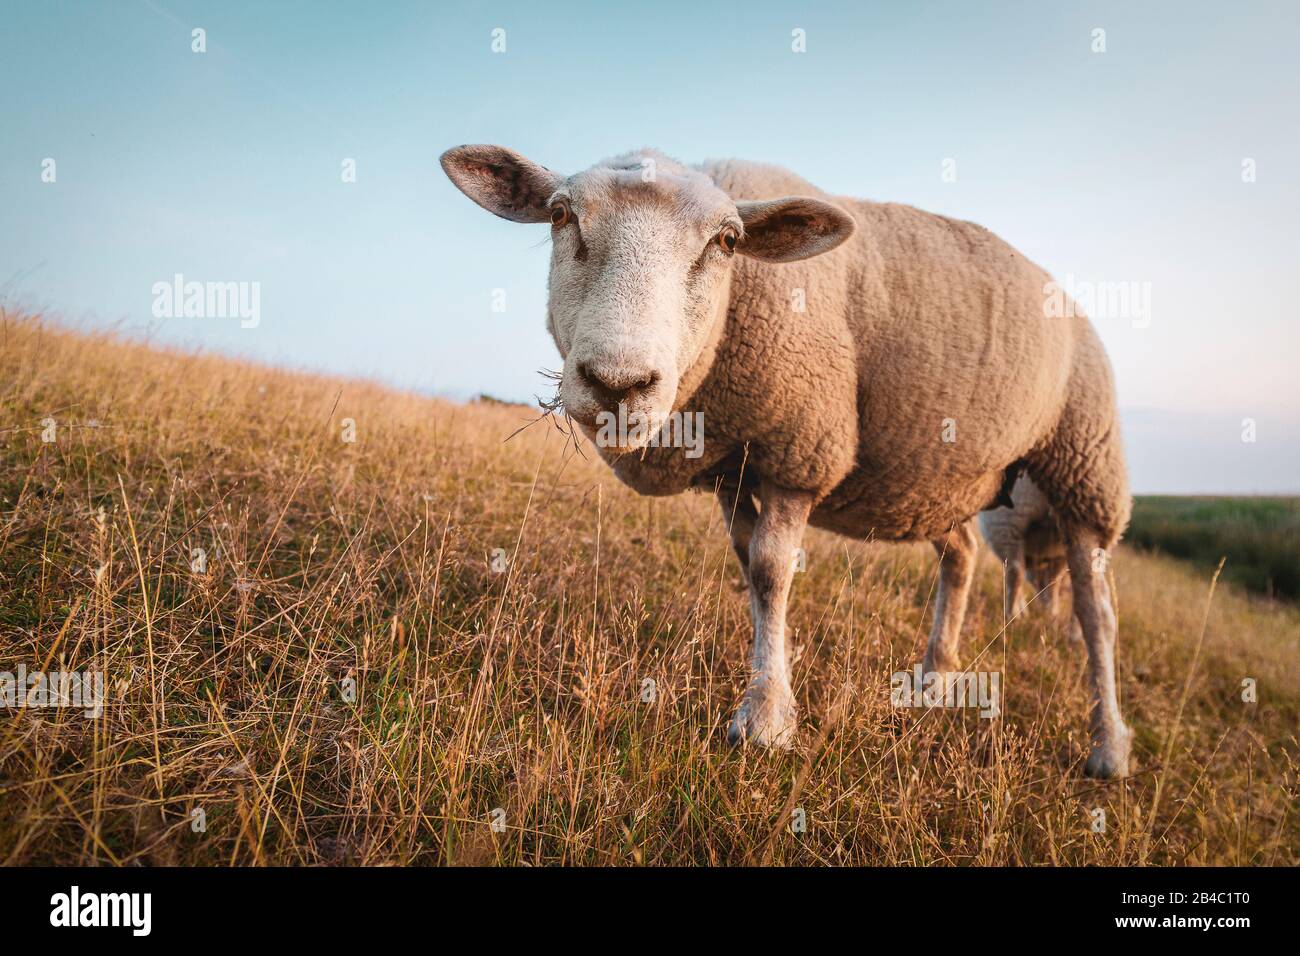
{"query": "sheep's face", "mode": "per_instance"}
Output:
(1043, 571)
(641, 260)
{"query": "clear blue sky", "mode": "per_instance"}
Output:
(1117, 166)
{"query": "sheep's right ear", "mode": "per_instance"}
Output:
(786, 230)
(502, 181)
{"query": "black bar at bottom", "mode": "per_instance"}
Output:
(334, 906)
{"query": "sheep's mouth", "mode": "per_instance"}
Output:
(618, 430)
(589, 421)
(618, 426)
(624, 431)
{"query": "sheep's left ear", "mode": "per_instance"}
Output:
(501, 181)
(786, 230)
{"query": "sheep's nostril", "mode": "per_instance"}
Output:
(614, 386)
(604, 386)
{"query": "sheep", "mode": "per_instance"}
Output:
(1026, 538)
(866, 368)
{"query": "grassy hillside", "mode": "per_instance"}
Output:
(1259, 537)
(509, 685)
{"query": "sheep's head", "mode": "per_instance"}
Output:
(642, 254)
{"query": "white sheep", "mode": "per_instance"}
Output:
(1026, 538)
(863, 367)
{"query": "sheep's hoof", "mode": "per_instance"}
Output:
(1109, 759)
(937, 679)
(941, 663)
(766, 718)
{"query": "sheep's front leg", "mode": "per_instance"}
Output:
(767, 715)
(1111, 737)
(958, 551)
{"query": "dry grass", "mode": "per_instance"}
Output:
(522, 690)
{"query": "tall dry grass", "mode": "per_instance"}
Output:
(522, 691)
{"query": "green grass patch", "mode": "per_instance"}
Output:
(1259, 537)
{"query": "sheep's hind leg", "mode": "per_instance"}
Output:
(1013, 584)
(1110, 737)
(739, 515)
(958, 551)
(768, 715)
(1055, 600)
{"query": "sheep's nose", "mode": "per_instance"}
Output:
(614, 385)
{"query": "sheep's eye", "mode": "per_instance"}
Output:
(561, 214)
(728, 238)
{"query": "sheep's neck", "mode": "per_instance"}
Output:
(693, 377)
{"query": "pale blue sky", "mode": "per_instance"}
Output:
(1115, 166)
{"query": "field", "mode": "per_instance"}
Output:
(435, 643)
(1259, 537)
